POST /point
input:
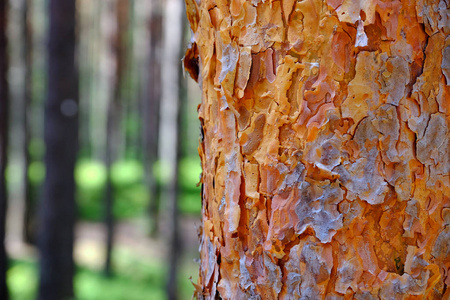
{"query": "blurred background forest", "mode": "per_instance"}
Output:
(137, 169)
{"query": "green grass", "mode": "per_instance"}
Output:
(136, 282)
(137, 278)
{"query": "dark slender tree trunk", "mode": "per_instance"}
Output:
(111, 139)
(151, 106)
(112, 131)
(109, 195)
(3, 145)
(95, 85)
(170, 131)
(86, 73)
(57, 210)
(29, 233)
(174, 236)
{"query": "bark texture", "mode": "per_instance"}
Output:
(325, 148)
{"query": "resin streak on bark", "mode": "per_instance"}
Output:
(325, 148)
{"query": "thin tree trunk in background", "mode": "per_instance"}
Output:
(87, 40)
(169, 130)
(4, 106)
(325, 148)
(29, 227)
(117, 43)
(57, 207)
(109, 195)
(151, 108)
(111, 13)
(98, 87)
(130, 87)
(122, 45)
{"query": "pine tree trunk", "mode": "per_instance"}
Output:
(325, 148)
(118, 13)
(29, 222)
(4, 107)
(57, 207)
(151, 106)
(169, 131)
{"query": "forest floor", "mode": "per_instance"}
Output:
(139, 262)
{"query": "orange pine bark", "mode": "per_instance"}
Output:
(325, 148)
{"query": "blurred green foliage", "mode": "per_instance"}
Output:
(190, 198)
(131, 193)
(22, 279)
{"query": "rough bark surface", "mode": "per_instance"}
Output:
(325, 148)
